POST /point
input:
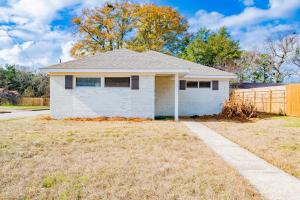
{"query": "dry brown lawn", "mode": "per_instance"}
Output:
(275, 139)
(56, 159)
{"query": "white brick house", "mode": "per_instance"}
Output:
(131, 84)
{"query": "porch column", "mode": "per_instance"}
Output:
(176, 89)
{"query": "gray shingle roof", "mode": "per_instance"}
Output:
(127, 59)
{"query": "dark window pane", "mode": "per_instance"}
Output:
(192, 84)
(204, 84)
(182, 84)
(68, 82)
(215, 85)
(117, 82)
(88, 82)
(134, 82)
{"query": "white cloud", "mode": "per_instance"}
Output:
(66, 51)
(278, 9)
(5, 40)
(248, 2)
(203, 18)
(33, 11)
(27, 38)
(45, 50)
(254, 37)
(245, 26)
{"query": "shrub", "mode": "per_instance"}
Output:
(236, 108)
(9, 96)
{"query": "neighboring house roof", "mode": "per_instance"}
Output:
(124, 59)
(257, 85)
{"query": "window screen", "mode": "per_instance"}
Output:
(204, 84)
(192, 84)
(117, 82)
(88, 82)
(215, 85)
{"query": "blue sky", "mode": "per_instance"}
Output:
(38, 32)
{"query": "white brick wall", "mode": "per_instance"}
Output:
(101, 101)
(192, 101)
(145, 102)
(203, 101)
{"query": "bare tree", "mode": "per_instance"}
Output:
(281, 48)
(247, 63)
(296, 57)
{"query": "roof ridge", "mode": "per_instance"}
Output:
(95, 55)
(174, 57)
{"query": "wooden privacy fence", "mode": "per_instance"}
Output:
(34, 101)
(270, 100)
(276, 99)
(293, 100)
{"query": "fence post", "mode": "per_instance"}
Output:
(270, 101)
(284, 111)
(254, 101)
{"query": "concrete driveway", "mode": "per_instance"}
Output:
(21, 114)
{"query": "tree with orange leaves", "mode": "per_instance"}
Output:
(157, 27)
(109, 27)
(102, 29)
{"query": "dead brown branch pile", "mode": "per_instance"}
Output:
(238, 109)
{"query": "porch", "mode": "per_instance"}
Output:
(167, 95)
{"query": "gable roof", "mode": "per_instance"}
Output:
(124, 59)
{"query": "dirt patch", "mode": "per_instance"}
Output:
(99, 119)
(116, 119)
(52, 159)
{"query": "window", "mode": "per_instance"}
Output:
(117, 82)
(215, 85)
(88, 82)
(192, 84)
(204, 84)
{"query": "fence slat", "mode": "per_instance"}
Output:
(270, 99)
(283, 100)
(34, 101)
(293, 100)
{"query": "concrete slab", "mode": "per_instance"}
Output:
(23, 114)
(270, 181)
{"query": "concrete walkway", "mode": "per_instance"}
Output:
(270, 181)
(22, 114)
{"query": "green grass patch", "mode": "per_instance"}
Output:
(261, 134)
(164, 118)
(293, 122)
(12, 119)
(50, 181)
(280, 117)
(21, 107)
(289, 147)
